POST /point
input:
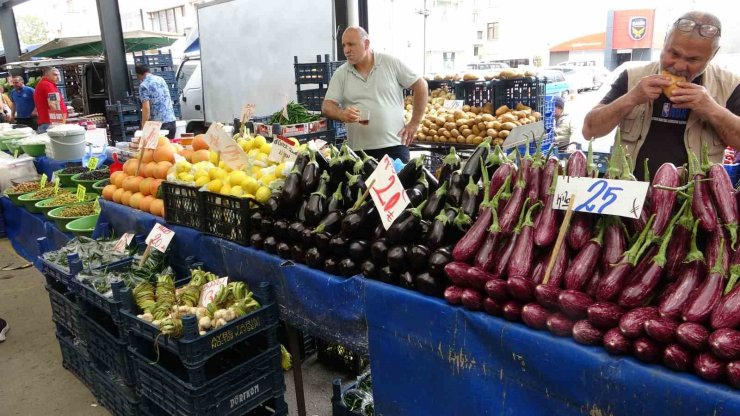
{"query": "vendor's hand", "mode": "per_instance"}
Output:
(693, 97)
(408, 133)
(649, 88)
(350, 115)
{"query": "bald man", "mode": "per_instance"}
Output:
(703, 109)
(366, 93)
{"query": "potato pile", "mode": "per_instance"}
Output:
(471, 125)
(510, 73)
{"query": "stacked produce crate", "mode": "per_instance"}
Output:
(123, 121)
(318, 75)
(159, 64)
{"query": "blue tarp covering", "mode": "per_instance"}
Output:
(23, 228)
(47, 165)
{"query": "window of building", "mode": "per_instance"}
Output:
(480, 35)
(167, 20)
(448, 61)
(492, 31)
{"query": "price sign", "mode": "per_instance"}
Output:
(56, 185)
(92, 163)
(247, 112)
(209, 291)
(123, 242)
(160, 237)
(601, 196)
(44, 179)
(283, 150)
(520, 134)
(96, 206)
(150, 135)
(454, 104)
(387, 192)
(231, 153)
(81, 193)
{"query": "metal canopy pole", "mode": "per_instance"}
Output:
(115, 55)
(9, 32)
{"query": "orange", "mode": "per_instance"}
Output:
(115, 175)
(145, 185)
(201, 156)
(146, 203)
(187, 154)
(157, 207)
(148, 154)
(135, 200)
(117, 195)
(164, 153)
(162, 169)
(199, 142)
(126, 197)
(155, 187)
(108, 192)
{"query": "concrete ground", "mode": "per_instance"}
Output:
(32, 379)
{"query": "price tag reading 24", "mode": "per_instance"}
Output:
(601, 196)
(160, 237)
(387, 192)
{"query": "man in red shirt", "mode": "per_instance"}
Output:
(49, 102)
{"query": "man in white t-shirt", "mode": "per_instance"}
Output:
(366, 93)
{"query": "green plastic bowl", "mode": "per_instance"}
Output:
(61, 222)
(83, 226)
(88, 184)
(34, 150)
(12, 147)
(14, 197)
(99, 185)
(30, 204)
(65, 179)
(44, 208)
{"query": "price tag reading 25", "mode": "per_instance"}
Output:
(387, 192)
(601, 196)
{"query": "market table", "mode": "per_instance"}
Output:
(24, 228)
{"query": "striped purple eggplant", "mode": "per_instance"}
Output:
(663, 201)
(724, 197)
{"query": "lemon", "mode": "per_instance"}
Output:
(217, 173)
(253, 153)
(201, 180)
(236, 191)
(247, 145)
(263, 194)
(250, 185)
(237, 177)
(215, 185)
(185, 176)
(267, 179)
(225, 190)
(259, 140)
(183, 166)
(262, 157)
(265, 148)
(279, 170)
(214, 157)
(201, 172)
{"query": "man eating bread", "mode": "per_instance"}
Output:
(665, 109)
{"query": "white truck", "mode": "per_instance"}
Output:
(246, 56)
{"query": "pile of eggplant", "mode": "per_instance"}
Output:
(324, 219)
(661, 287)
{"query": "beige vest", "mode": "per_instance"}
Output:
(720, 84)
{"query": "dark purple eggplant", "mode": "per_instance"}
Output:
(322, 241)
(311, 174)
(283, 251)
(257, 241)
(559, 268)
(314, 259)
(424, 227)
(502, 178)
(560, 325)
(455, 190)
(359, 250)
(355, 183)
(496, 289)
(440, 232)
(693, 336)
(301, 216)
(512, 311)
(307, 237)
(632, 323)
(604, 314)
(379, 251)
(574, 303)
(302, 160)
(437, 262)
(336, 200)
(646, 350)
(677, 358)
(661, 329)
(418, 257)
(270, 244)
(331, 265)
(429, 285)
(727, 313)
(471, 198)
(330, 224)
(358, 222)
(369, 164)
(479, 233)
(369, 269)
(472, 299)
(453, 295)
(535, 316)
(292, 189)
(267, 226)
(503, 253)
(663, 201)
(435, 203)
(585, 263)
(295, 232)
(707, 296)
(709, 367)
(411, 171)
(404, 228)
(316, 205)
(535, 179)
(472, 168)
(406, 280)
(298, 254)
(520, 262)
(546, 224)
(615, 343)
(397, 260)
(348, 267)
(615, 241)
(549, 177)
(493, 307)
(689, 277)
(450, 163)
(280, 229)
(723, 193)
(733, 374)
(520, 288)
(587, 334)
(255, 220)
(594, 283)
(547, 296)
(339, 246)
(725, 344)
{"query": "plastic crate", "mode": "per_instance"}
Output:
(316, 72)
(475, 93)
(149, 408)
(340, 129)
(154, 60)
(108, 351)
(194, 349)
(432, 162)
(529, 91)
(87, 295)
(226, 217)
(67, 277)
(441, 83)
(183, 205)
(75, 359)
(242, 388)
(348, 361)
(307, 343)
(119, 399)
(64, 309)
(311, 99)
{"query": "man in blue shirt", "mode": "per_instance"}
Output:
(23, 105)
(156, 102)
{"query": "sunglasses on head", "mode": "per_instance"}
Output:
(688, 25)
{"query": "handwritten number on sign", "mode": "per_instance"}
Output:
(387, 205)
(608, 197)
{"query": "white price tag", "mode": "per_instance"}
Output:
(519, 134)
(387, 192)
(601, 196)
(247, 112)
(123, 242)
(150, 135)
(231, 153)
(160, 237)
(454, 104)
(209, 291)
(283, 150)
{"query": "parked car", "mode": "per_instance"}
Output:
(556, 83)
(580, 78)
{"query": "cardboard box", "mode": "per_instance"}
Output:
(292, 129)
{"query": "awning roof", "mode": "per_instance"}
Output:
(42, 63)
(594, 41)
(135, 41)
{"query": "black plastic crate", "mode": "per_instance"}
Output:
(340, 129)
(149, 408)
(306, 343)
(75, 359)
(67, 277)
(432, 162)
(315, 72)
(311, 99)
(475, 93)
(193, 349)
(183, 205)
(154, 60)
(108, 351)
(340, 358)
(226, 217)
(119, 399)
(441, 83)
(529, 91)
(242, 388)
(64, 309)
